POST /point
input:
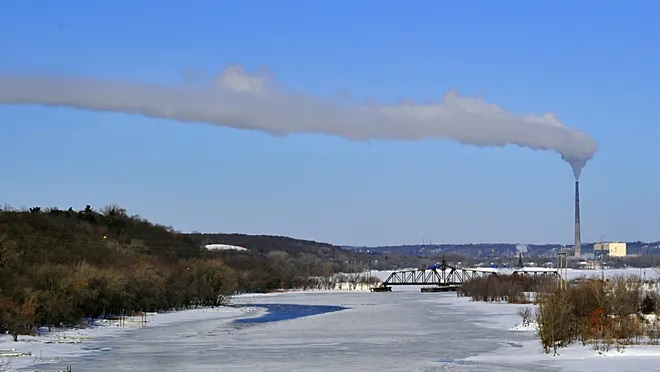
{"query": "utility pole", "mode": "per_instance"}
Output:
(369, 270)
(562, 269)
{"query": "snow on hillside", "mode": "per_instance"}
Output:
(224, 247)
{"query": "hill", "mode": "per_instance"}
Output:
(639, 254)
(486, 250)
(262, 244)
(307, 252)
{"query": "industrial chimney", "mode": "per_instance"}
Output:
(578, 250)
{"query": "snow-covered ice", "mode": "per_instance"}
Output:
(60, 345)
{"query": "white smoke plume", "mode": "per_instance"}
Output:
(256, 101)
(521, 248)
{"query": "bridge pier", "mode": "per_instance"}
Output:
(442, 288)
(381, 289)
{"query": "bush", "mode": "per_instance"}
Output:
(526, 314)
(504, 288)
(648, 304)
(593, 311)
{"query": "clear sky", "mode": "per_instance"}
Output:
(596, 64)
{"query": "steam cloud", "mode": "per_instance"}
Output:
(521, 248)
(256, 101)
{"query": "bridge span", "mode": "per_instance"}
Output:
(444, 277)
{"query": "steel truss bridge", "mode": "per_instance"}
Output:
(446, 277)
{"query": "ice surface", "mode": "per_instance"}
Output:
(281, 312)
(61, 345)
(402, 330)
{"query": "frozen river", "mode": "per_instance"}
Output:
(362, 331)
(404, 330)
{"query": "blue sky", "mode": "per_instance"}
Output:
(594, 64)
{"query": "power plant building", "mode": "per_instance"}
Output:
(610, 249)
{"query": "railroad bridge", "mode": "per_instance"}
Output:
(443, 277)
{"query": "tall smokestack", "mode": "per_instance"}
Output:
(578, 250)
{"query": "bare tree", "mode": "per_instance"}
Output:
(653, 330)
(113, 210)
(18, 317)
(555, 320)
(526, 314)
(353, 280)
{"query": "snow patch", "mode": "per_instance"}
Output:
(224, 247)
(525, 327)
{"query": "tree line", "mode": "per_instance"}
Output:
(513, 289)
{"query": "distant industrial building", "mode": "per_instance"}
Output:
(610, 249)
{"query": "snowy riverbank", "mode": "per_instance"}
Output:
(50, 347)
(575, 357)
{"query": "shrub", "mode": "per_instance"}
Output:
(648, 304)
(593, 311)
(504, 288)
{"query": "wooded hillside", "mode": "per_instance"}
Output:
(60, 266)
(320, 258)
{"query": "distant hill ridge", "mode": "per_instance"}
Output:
(485, 249)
